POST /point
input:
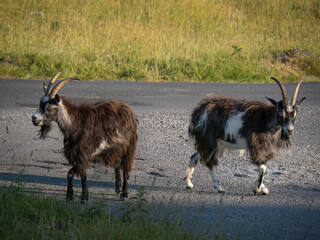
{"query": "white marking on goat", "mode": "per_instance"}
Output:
(189, 173)
(202, 123)
(216, 182)
(289, 109)
(118, 139)
(242, 152)
(259, 187)
(232, 127)
(64, 116)
(103, 146)
(192, 163)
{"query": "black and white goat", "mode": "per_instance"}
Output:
(220, 123)
(97, 132)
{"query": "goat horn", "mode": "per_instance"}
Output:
(294, 98)
(283, 91)
(59, 85)
(45, 87)
(51, 83)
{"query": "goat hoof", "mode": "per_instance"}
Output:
(69, 197)
(219, 188)
(123, 196)
(261, 192)
(264, 192)
(84, 201)
(189, 184)
(84, 197)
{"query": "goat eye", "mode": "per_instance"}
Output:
(292, 114)
(50, 108)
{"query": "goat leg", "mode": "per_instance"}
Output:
(215, 180)
(260, 188)
(195, 158)
(118, 181)
(124, 193)
(85, 193)
(70, 176)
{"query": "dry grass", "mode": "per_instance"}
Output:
(155, 40)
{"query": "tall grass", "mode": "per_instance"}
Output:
(174, 40)
(28, 216)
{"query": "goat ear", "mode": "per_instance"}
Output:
(274, 102)
(57, 99)
(300, 101)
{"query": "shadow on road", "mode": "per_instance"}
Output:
(56, 181)
(232, 221)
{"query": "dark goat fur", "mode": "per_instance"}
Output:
(220, 123)
(103, 132)
(262, 136)
(94, 122)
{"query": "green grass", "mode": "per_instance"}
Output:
(29, 216)
(159, 40)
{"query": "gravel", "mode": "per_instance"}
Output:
(291, 211)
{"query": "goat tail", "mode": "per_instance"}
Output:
(198, 124)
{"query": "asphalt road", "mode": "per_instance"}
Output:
(291, 211)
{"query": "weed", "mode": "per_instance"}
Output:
(18, 183)
(29, 216)
(135, 208)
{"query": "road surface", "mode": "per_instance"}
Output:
(291, 211)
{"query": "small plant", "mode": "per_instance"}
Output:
(236, 50)
(18, 182)
(220, 232)
(135, 207)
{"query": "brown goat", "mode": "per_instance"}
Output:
(97, 132)
(221, 123)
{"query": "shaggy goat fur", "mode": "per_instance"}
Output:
(220, 123)
(102, 132)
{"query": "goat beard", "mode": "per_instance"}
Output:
(44, 130)
(286, 139)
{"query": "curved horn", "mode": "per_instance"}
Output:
(51, 83)
(294, 98)
(45, 87)
(59, 85)
(283, 91)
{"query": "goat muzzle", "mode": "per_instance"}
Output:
(36, 120)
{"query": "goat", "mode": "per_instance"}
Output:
(220, 123)
(102, 132)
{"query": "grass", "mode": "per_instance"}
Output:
(29, 216)
(158, 40)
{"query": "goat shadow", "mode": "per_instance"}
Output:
(56, 181)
